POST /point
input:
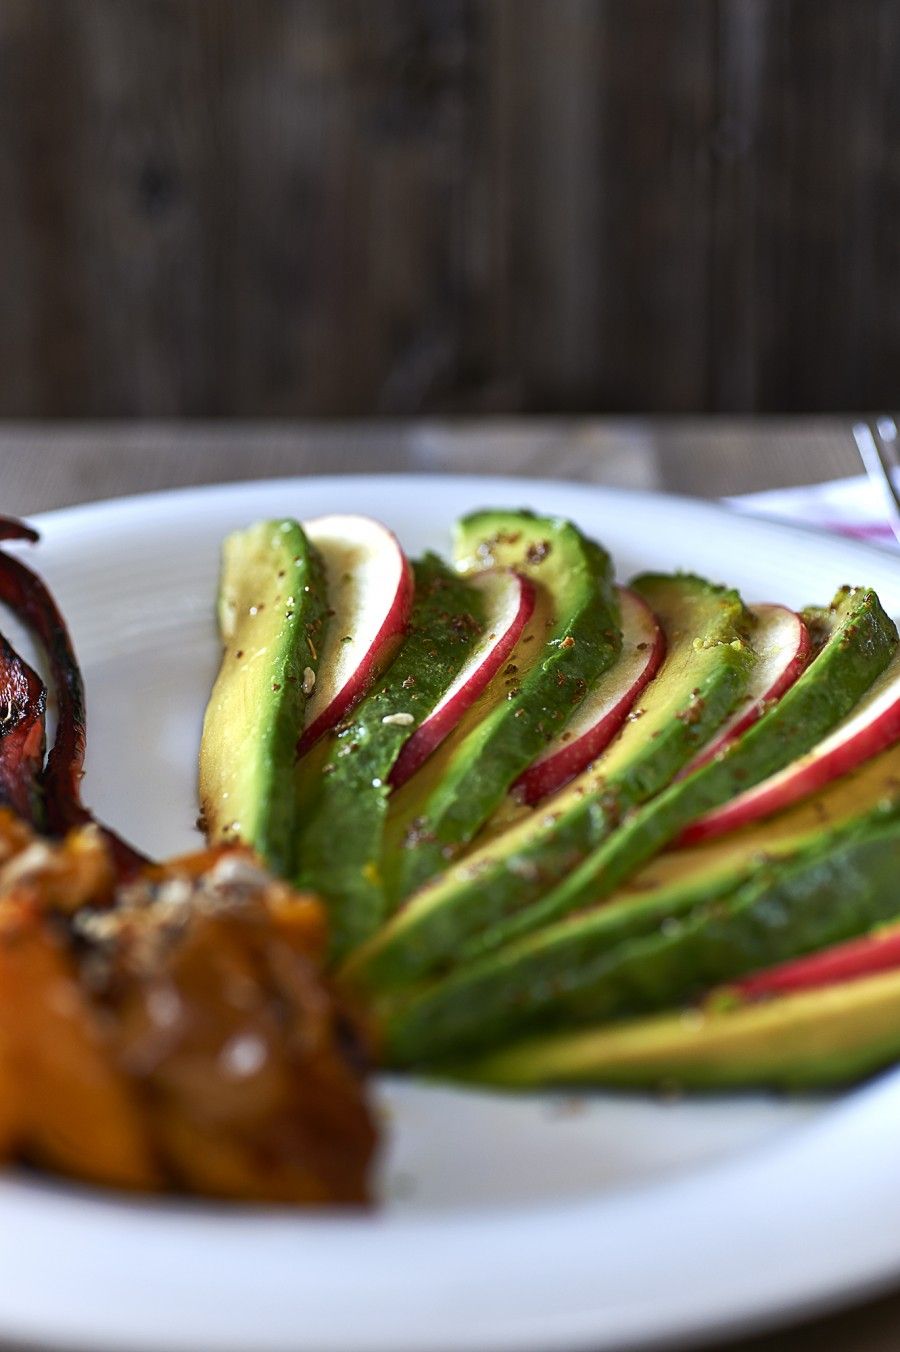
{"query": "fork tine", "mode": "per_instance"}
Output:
(886, 429)
(872, 442)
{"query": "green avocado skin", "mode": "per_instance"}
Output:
(825, 1039)
(861, 642)
(579, 972)
(706, 670)
(582, 643)
(344, 786)
(811, 904)
(512, 1069)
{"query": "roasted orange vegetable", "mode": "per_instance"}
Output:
(161, 1026)
(177, 1032)
(10, 1103)
(78, 1113)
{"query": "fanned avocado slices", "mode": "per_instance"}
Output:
(643, 951)
(856, 641)
(708, 663)
(714, 867)
(272, 613)
(572, 639)
(524, 979)
(343, 782)
(605, 965)
(562, 921)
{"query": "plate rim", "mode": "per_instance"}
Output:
(720, 506)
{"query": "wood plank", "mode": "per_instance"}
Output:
(19, 321)
(303, 207)
(607, 201)
(347, 135)
(42, 316)
(805, 282)
(47, 465)
(655, 220)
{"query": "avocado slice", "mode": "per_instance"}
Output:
(856, 641)
(272, 613)
(819, 1039)
(837, 802)
(795, 907)
(677, 883)
(344, 782)
(639, 956)
(554, 665)
(705, 671)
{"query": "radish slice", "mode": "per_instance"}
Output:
(832, 967)
(781, 641)
(872, 726)
(370, 592)
(604, 709)
(509, 602)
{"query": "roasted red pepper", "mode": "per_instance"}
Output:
(23, 704)
(31, 602)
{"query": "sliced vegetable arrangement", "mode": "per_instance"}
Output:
(528, 827)
(552, 809)
(571, 639)
(351, 784)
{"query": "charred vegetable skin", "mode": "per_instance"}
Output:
(23, 702)
(177, 1034)
(31, 602)
(28, 597)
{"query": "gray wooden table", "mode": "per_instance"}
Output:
(51, 465)
(44, 466)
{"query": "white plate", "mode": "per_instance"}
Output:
(508, 1223)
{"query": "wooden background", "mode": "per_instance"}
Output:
(305, 207)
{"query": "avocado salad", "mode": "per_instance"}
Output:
(567, 831)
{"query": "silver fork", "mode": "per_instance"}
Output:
(876, 441)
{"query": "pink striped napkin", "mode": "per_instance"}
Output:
(852, 507)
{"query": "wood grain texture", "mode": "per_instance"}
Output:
(348, 207)
(44, 466)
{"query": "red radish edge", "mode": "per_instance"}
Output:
(602, 713)
(512, 609)
(382, 645)
(845, 962)
(774, 674)
(877, 726)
